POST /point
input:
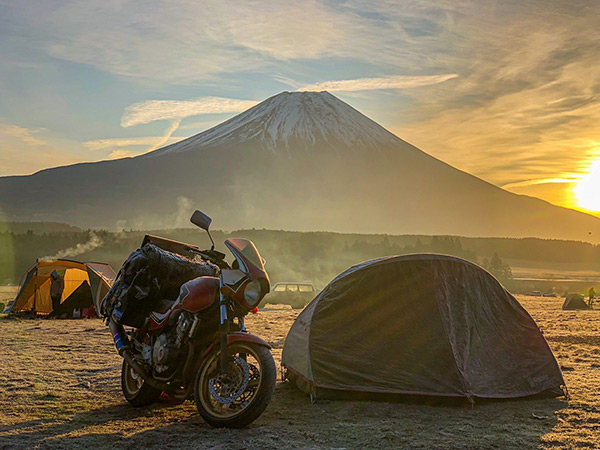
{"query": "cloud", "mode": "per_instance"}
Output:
(536, 182)
(168, 133)
(199, 126)
(518, 134)
(119, 146)
(23, 153)
(121, 153)
(20, 134)
(286, 30)
(369, 84)
(172, 110)
(288, 81)
(183, 41)
(190, 41)
(102, 144)
(525, 107)
(152, 110)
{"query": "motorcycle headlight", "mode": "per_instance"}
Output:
(253, 293)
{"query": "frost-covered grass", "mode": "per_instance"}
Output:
(59, 388)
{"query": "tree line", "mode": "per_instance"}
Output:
(291, 256)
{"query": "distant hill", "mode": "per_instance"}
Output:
(36, 227)
(296, 161)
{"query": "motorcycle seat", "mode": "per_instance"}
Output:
(163, 305)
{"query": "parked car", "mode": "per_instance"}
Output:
(295, 294)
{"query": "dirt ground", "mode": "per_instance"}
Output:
(59, 388)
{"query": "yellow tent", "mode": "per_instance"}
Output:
(85, 284)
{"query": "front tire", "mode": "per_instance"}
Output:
(136, 391)
(240, 397)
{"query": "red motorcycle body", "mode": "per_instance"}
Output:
(194, 296)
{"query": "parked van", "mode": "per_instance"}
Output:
(295, 294)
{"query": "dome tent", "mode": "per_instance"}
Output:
(85, 284)
(575, 301)
(419, 324)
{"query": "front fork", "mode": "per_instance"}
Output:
(223, 332)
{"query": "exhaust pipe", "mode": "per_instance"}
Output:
(119, 336)
(124, 348)
(145, 375)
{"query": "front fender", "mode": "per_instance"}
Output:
(241, 336)
(237, 336)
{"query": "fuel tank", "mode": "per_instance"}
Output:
(198, 294)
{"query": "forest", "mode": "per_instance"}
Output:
(300, 256)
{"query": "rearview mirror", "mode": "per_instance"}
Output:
(201, 220)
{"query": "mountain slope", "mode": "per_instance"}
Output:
(300, 161)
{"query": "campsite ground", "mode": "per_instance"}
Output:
(59, 387)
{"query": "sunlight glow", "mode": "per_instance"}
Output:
(587, 189)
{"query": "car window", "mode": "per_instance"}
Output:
(292, 288)
(306, 288)
(279, 288)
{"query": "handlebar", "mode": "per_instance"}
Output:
(213, 256)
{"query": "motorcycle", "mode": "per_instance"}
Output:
(197, 346)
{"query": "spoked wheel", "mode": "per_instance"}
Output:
(237, 398)
(135, 390)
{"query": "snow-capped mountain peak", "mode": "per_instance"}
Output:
(311, 120)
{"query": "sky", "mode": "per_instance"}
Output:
(508, 91)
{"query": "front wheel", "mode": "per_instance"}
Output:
(237, 398)
(136, 391)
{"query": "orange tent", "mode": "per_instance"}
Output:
(85, 284)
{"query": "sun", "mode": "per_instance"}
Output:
(587, 189)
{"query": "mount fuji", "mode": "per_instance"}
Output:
(311, 120)
(296, 161)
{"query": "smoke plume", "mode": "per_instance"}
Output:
(95, 241)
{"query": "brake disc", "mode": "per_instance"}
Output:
(226, 389)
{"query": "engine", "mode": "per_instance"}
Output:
(169, 346)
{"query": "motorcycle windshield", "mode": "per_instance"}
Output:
(247, 251)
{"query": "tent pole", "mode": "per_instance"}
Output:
(36, 286)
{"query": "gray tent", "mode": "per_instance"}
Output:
(575, 301)
(419, 324)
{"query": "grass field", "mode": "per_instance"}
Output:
(59, 388)
(7, 293)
